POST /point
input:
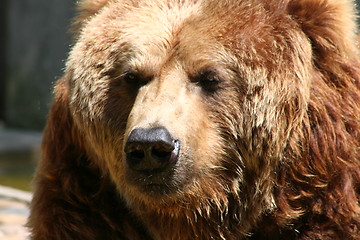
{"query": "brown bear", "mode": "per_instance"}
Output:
(204, 119)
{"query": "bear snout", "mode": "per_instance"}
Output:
(151, 151)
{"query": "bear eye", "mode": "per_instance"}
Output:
(135, 79)
(208, 80)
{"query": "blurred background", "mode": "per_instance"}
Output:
(34, 43)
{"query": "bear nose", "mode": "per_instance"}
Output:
(151, 150)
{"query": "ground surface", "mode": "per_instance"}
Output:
(19, 152)
(13, 213)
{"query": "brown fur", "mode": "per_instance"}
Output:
(271, 151)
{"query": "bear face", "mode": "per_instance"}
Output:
(205, 120)
(175, 69)
(152, 89)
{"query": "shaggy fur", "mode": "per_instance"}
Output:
(263, 96)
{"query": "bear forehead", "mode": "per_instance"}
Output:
(196, 32)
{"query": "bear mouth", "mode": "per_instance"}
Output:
(154, 183)
(157, 190)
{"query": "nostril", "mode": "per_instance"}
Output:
(160, 153)
(136, 154)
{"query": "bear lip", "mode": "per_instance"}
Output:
(157, 189)
(152, 181)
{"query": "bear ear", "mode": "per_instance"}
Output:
(329, 24)
(86, 9)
